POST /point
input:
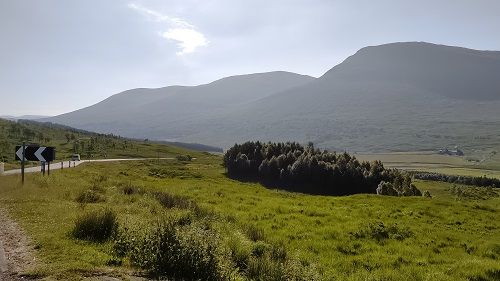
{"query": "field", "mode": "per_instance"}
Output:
(432, 162)
(451, 236)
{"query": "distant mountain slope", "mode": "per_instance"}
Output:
(400, 96)
(23, 117)
(442, 70)
(149, 112)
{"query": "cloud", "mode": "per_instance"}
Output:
(188, 38)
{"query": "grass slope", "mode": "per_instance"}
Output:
(68, 141)
(361, 237)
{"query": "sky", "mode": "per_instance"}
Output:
(58, 56)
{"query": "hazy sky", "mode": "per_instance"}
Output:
(60, 55)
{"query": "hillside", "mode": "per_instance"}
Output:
(394, 97)
(166, 113)
(69, 140)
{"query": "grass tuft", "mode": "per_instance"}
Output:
(97, 226)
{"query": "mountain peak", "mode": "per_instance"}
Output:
(443, 70)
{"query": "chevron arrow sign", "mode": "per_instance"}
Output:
(36, 153)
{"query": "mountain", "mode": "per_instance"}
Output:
(23, 117)
(160, 113)
(393, 97)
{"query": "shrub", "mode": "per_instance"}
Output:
(89, 196)
(469, 192)
(97, 226)
(427, 194)
(385, 188)
(190, 252)
(184, 157)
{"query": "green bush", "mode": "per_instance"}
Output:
(184, 157)
(97, 226)
(190, 252)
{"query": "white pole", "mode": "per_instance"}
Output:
(2, 168)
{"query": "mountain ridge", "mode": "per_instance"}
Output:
(362, 103)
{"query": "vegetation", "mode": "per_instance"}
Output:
(97, 226)
(466, 180)
(292, 167)
(257, 232)
(68, 141)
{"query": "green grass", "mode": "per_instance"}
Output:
(360, 237)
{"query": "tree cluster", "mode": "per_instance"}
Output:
(293, 167)
(465, 180)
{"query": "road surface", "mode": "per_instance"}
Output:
(71, 164)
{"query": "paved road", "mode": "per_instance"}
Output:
(71, 164)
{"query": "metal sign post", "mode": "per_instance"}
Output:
(34, 153)
(22, 162)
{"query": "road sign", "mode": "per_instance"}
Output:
(36, 153)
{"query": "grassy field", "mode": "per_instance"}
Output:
(432, 162)
(361, 237)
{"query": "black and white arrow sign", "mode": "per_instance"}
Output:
(36, 153)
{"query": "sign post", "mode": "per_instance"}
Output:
(22, 161)
(34, 153)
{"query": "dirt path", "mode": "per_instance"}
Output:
(16, 250)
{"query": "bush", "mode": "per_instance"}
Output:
(184, 158)
(89, 196)
(427, 194)
(190, 252)
(465, 180)
(469, 192)
(385, 188)
(98, 226)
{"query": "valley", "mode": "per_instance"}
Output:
(446, 237)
